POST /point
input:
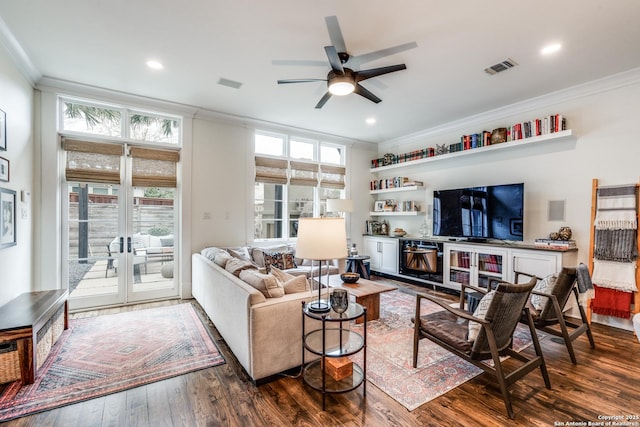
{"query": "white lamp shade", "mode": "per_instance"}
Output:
(339, 205)
(321, 239)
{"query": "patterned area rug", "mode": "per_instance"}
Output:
(390, 354)
(106, 354)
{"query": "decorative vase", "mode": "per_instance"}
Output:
(424, 230)
(553, 235)
(339, 300)
(353, 251)
(564, 233)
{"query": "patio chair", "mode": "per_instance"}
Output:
(551, 316)
(451, 330)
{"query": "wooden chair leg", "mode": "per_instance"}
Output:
(416, 333)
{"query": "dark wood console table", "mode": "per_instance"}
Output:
(22, 318)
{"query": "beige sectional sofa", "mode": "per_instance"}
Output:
(265, 334)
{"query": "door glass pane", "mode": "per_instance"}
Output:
(93, 244)
(300, 206)
(269, 214)
(152, 238)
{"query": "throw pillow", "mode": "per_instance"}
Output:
(240, 253)
(210, 252)
(235, 266)
(480, 312)
(292, 284)
(221, 258)
(257, 254)
(265, 283)
(281, 260)
(546, 286)
(166, 242)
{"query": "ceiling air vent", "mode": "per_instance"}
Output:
(229, 83)
(500, 66)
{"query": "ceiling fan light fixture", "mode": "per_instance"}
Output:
(341, 86)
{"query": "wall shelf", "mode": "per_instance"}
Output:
(565, 135)
(383, 213)
(395, 190)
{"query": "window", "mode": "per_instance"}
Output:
(292, 182)
(117, 122)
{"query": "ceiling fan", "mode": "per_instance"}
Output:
(343, 79)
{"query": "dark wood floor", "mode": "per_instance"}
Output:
(606, 382)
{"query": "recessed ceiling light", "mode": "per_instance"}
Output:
(371, 120)
(154, 65)
(552, 48)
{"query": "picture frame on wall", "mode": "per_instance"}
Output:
(7, 218)
(3, 131)
(4, 169)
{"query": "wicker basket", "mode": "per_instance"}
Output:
(48, 335)
(9, 363)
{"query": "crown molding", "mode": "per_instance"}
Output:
(69, 88)
(614, 81)
(17, 53)
(206, 114)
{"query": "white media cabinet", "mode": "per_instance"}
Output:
(470, 262)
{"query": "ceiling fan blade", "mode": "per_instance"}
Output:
(301, 62)
(355, 61)
(334, 59)
(374, 72)
(323, 100)
(280, 82)
(362, 91)
(335, 34)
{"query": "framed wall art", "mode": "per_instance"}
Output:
(4, 169)
(3, 131)
(7, 218)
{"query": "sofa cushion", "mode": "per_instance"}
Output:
(281, 260)
(291, 284)
(235, 266)
(265, 283)
(221, 258)
(166, 241)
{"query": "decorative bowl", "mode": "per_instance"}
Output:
(350, 277)
(398, 234)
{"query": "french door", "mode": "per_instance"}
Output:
(120, 239)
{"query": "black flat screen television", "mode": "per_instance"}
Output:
(479, 213)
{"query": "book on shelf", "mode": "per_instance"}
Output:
(413, 183)
(555, 243)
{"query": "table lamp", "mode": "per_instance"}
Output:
(339, 205)
(321, 239)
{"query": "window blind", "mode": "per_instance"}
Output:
(92, 161)
(332, 176)
(304, 174)
(269, 170)
(154, 168)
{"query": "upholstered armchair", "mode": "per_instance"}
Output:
(485, 335)
(548, 305)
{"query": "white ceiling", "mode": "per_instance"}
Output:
(106, 44)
